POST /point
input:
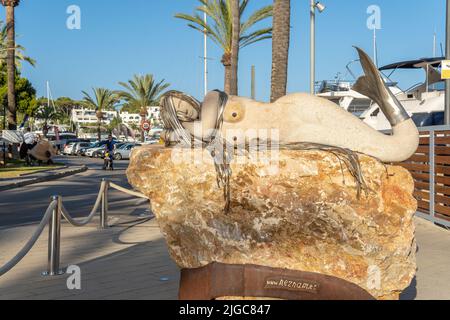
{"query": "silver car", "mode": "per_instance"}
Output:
(68, 148)
(76, 150)
(125, 151)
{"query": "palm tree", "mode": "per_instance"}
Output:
(102, 100)
(280, 48)
(142, 92)
(221, 28)
(20, 56)
(11, 55)
(135, 128)
(115, 124)
(46, 113)
(236, 31)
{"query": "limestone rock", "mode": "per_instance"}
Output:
(300, 212)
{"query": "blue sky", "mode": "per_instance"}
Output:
(120, 38)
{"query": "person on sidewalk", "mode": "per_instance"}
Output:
(28, 144)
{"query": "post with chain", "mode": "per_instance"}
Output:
(54, 240)
(104, 210)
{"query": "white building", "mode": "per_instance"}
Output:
(154, 113)
(129, 118)
(87, 117)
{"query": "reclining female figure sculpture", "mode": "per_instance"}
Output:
(302, 117)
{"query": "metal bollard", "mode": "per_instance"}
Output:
(54, 240)
(104, 211)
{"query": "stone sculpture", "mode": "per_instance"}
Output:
(296, 225)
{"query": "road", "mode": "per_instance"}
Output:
(27, 205)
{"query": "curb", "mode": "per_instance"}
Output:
(42, 171)
(52, 177)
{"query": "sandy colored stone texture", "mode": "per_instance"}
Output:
(299, 213)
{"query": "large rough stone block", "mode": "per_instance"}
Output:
(300, 213)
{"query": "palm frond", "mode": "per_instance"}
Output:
(257, 16)
(142, 91)
(19, 50)
(256, 36)
(103, 99)
(219, 28)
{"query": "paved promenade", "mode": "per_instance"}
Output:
(433, 262)
(130, 261)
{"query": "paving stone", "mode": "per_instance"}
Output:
(132, 267)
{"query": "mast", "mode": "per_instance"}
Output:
(434, 55)
(50, 100)
(48, 93)
(375, 51)
(253, 83)
(434, 43)
(205, 54)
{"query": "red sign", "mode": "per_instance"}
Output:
(146, 126)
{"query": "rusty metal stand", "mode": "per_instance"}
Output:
(224, 280)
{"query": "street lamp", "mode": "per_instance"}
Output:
(321, 8)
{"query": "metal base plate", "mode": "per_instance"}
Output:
(48, 274)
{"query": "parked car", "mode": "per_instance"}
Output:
(125, 152)
(64, 139)
(76, 150)
(120, 145)
(91, 145)
(68, 148)
(153, 139)
(90, 152)
(96, 150)
(117, 146)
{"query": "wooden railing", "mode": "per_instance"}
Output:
(430, 168)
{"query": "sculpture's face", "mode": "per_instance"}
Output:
(234, 111)
(185, 109)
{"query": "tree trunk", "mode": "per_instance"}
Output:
(235, 11)
(11, 68)
(280, 48)
(45, 129)
(226, 61)
(99, 130)
(100, 115)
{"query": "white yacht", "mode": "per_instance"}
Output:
(424, 102)
(340, 92)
